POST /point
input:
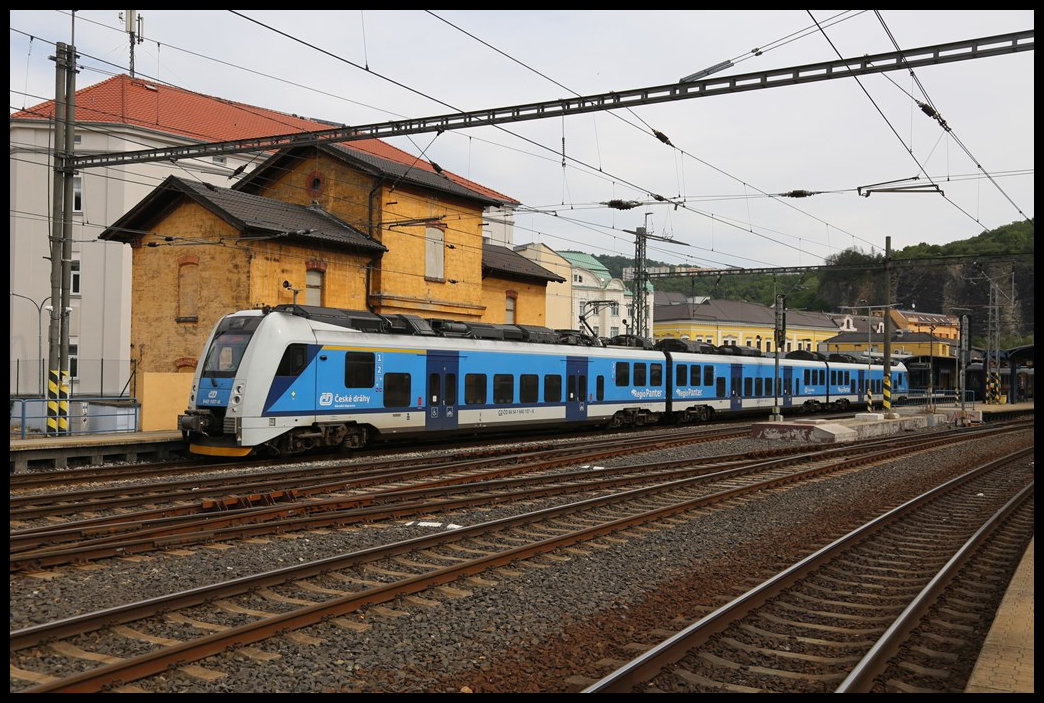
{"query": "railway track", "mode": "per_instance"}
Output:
(919, 580)
(205, 506)
(147, 637)
(363, 494)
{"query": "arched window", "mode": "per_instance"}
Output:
(314, 288)
(510, 299)
(315, 277)
(188, 289)
(435, 253)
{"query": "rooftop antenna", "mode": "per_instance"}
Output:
(134, 25)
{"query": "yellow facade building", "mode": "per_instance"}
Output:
(322, 225)
(738, 323)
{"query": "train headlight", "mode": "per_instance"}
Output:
(237, 396)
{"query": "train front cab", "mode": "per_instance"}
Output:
(206, 425)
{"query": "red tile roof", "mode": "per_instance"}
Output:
(171, 110)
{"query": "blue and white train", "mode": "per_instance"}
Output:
(294, 378)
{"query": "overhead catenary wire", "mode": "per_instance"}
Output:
(664, 199)
(930, 109)
(656, 133)
(654, 196)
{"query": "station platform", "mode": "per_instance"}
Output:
(1005, 663)
(866, 425)
(90, 449)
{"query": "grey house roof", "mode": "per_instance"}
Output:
(505, 263)
(736, 312)
(420, 173)
(252, 215)
(897, 335)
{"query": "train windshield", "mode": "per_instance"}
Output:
(230, 342)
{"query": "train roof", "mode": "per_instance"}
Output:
(406, 324)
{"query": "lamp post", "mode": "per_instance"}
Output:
(962, 353)
(931, 368)
(780, 335)
(39, 334)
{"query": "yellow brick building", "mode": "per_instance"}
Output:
(323, 225)
(738, 323)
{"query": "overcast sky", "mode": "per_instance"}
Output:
(729, 155)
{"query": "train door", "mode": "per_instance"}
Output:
(576, 389)
(736, 395)
(787, 400)
(441, 383)
(863, 383)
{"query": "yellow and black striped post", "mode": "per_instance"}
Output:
(57, 402)
(886, 390)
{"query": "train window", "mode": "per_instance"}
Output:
(294, 360)
(808, 376)
(358, 371)
(450, 394)
(694, 375)
(833, 377)
(708, 375)
(639, 374)
(224, 356)
(552, 389)
(397, 390)
(748, 387)
(600, 388)
(719, 387)
(503, 388)
(656, 375)
(434, 389)
(759, 388)
(582, 390)
(475, 389)
(528, 388)
(623, 373)
(571, 389)
(681, 375)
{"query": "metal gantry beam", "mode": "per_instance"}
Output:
(693, 271)
(984, 47)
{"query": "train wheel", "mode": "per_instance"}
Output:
(356, 438)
